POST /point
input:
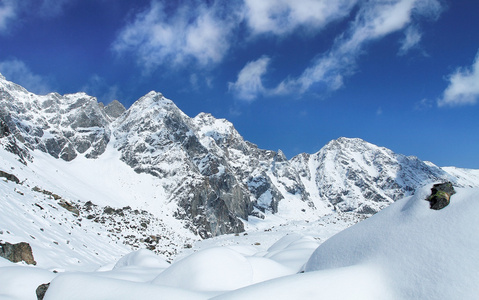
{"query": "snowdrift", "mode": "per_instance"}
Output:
(406, 251)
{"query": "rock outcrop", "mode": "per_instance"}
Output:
(17, 252)
(9, 176)
(441, 195)
(41, 290)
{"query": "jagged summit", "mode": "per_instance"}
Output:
(212, 178)
(114, 109)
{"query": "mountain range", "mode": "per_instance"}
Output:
(198, 172)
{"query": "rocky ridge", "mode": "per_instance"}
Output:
(216, 179)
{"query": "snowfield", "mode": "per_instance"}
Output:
(406, 251)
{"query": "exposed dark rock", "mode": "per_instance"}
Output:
(114, 109)
(17, 252)
(10, 177)
(4, 130)
(45, 192)
(41, 290)
(441, 195)
(68, 206)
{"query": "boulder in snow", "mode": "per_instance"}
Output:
(17, 252)
(41, 290)
(441, 195)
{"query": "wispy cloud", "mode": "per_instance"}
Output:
(249, 84)
(98, 87)
(374, 20)
(11, 11)
(424, 104)
(411, 39)
(51, 8)
(7, 14)
(193, 32)
(463, 86)
(200, 34)
(17, 71)
(283, 16)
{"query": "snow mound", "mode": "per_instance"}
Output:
(80, 286)
(142, 258)
(214, 269)
(423, 253)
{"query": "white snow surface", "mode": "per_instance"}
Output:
(406, 251)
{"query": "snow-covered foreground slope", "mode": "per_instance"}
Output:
(406, 251)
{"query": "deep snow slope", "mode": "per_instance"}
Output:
(421, 253)
(406, 251)
(109, 216)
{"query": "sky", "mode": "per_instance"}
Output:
(289, 74)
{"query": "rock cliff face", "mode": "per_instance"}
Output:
(215, 177)
(63, 126)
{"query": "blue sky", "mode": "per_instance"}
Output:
(289, 74)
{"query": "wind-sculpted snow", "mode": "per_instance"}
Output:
(406, 251)
(421, 253)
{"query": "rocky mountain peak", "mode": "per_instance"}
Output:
(203, 166)
(114, 109)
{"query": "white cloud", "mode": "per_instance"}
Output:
(283, 16)
(13, 10)
(424, 104)
(51, 8)
(193, 32)
(249, 83)
(18, 72)
(463, 86)
(203, 34)
(374, 20)
(412, 37)
(7, 14)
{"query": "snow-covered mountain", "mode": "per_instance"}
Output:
(199, 172)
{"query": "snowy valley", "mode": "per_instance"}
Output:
(133, 203)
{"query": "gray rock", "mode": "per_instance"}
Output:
(441, 195)
(114, 109)
(10, 177)
(17, 252)
(41, 290)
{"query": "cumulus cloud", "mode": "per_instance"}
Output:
(463, 86)
(283, 16)
(249, 83)
(17, 71)
(374, 20)
(194, 32)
